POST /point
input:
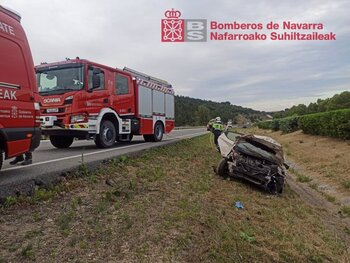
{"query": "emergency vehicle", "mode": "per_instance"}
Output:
(19, 111)
(86, 100)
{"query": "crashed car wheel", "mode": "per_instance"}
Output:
(276, 186)
(222, 168)
(280, 184)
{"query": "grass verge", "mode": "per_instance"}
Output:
(166, 205)
(323, 160)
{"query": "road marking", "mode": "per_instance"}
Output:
(72, 157)
(168, 134)
(194, 129)
(92, 153)
(186, 135)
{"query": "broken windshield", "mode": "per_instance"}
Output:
(60, 80)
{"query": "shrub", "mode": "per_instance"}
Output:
(290, 124)
(286, 125)
(332, 123)
(275, 125)
(264, 125)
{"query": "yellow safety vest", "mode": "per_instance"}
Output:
(218, 126)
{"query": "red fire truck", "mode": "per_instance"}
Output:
(86, 100)
(19, 111)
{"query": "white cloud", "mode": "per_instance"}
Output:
(263, 75)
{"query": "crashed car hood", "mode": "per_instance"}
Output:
(261, 147)
(225, 144)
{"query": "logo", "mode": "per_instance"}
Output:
(52, 100)
(175, 29)
(14, 112)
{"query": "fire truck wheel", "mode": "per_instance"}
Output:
(158, 132)
(107, 136)
(61, 142)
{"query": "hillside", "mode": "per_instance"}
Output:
(191, 111)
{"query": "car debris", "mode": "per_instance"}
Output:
(257, 159)
(239, 205)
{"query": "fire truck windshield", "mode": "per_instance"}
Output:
(59, 80)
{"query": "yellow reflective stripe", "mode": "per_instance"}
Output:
(218, 126)
(80, 126)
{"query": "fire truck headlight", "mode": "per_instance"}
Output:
(79, 118)
(36, 106)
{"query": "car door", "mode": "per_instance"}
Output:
(124, 95)
(97, 96)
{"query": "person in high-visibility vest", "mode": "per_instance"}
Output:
(210, 125)
(217, 130)
(27, 159)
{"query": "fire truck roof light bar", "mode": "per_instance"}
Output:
(147, 77)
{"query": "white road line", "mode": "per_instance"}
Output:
(189, 135)
(92, 153)
(168, 134)
(194, 129)
(72, 157)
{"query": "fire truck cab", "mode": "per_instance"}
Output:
(86, 100)
(19, 111)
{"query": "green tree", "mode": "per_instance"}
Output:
(338, 101)
(202, 115)
(187, 111)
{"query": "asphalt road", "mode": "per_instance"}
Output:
(50, 161)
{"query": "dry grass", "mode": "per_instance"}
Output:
(166, 206)
(325, 161)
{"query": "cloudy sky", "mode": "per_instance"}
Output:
(265, 75)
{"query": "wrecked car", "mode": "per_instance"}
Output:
(258, 159)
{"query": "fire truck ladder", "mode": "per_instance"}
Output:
(144, 76)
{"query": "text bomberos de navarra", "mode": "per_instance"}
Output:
(288, 31)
